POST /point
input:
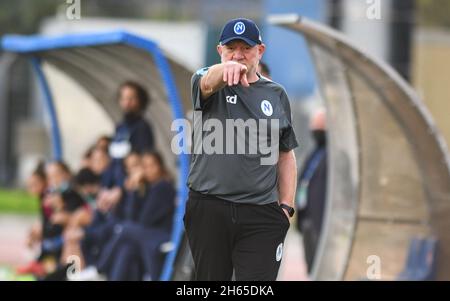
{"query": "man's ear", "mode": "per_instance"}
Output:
(261, 49)
(219, 50)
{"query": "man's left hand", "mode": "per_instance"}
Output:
(287, 214)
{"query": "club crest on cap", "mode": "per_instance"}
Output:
(239, 28)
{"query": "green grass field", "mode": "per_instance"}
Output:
(8, 274)
(17, 201)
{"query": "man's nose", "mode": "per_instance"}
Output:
(238, 55)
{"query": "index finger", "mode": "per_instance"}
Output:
(244, 80)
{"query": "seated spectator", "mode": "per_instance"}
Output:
(111, 208)
(64, 201)
(59, 205)
(103, 142)
(99, 163)
(87, 158)
(62, 196)
(134, 190)
(137, 242)
(87, 183)
(37, 187)
(97, 155)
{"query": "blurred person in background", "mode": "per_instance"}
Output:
(64, 201)
(311, 189)
(134, 251)
(264, 70)
(97, 157)
(62, 197)
(37, 187)
(107, 214)
(87, 183)
(103, 142)
(133, 133)
(99, 163)
(87, 157)
(59, 204)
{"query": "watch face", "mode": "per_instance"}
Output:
(291, 212)
(289, 209)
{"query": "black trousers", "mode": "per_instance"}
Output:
(225, 237)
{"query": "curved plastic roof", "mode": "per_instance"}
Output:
(389, 168)
(99, 62)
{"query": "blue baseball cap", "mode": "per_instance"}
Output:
(240, 29)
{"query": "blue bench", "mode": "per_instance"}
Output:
(420, 264)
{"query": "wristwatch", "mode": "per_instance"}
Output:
(289, 209)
